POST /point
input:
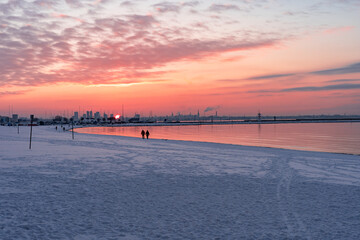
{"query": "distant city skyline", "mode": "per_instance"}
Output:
(89, 116)
(277, 57)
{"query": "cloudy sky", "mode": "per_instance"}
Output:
(234, 56)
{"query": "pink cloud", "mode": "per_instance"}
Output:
(106, 64)
(339, 29)
(223, 7)
(102, 49)
(7, 93)
(60, 15)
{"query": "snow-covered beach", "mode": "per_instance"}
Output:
(110, 187)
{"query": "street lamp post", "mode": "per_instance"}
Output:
(31, 123)
(72, 128)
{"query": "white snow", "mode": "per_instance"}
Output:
(110, 187)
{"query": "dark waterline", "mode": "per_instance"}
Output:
(322, 137)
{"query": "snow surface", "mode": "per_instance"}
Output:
(111, 187)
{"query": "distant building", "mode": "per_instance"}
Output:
(135, 119)
(76, 116)
(15, 118)
(97, 115)
(4, 119)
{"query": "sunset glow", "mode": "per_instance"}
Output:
(279, 57)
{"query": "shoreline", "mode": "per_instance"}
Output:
(182, 137)
(229, 144)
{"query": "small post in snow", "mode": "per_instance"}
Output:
(31, 123)
(18, 128)
(72, 128)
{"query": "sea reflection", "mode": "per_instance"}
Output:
(324, 137)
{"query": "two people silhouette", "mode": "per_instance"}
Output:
(143, 133)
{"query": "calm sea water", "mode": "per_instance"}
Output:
(323, 137)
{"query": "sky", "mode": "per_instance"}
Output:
(236, 57)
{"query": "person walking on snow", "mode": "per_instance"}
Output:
(147, 134)
(143, 133)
